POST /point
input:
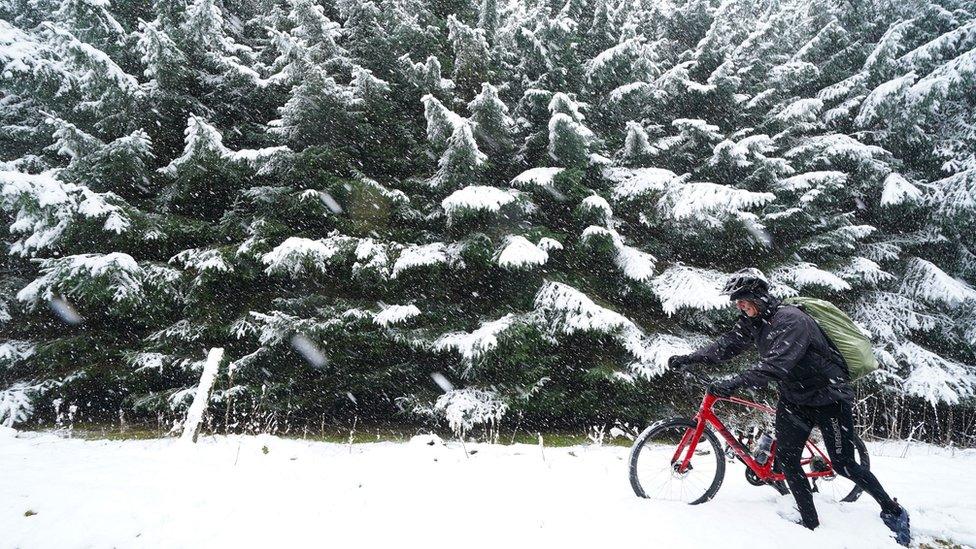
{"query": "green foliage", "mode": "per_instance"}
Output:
(274, 179)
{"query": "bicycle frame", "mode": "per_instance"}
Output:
(706, 417)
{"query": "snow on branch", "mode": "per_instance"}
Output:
(566, 135)
(568, 311)
(476, 198)
(898, 190)
(395, 314)
(427, 75)
(395, 196)
(203, 260)
(520, 253)
(882, 98)
(812, 180)
(606, 66)
(926, 281)
(12, 351)
(677, 81)
(743, 153)
(15, 404)
(934, 378)
(891, 316)
(562, 309)
(98, 64)
(461, 160)
(635, 182)
(704, 200)
(116, 274)
(598, 207)
(562, 103)
(273, 327)
(655, 350)
(538, 177)
(802, 110)
(955, 74)
(373, 257)
(843, 88)
(845, 237)
(19, 52)
(808, 274)
(255, 157)
(949, 44)
(837, 146)
(680, 286)
(864, 270)
(148, 361)
(474, 345)
(696, 128)
(46, 207)
(73, 142)
(441, 121)
(549, 244)
(631, 91)
(202, 140)
(204, 143)
(956, 194)
(636, 264)
(888, 47)
(298, 255)
(424, 255)
(468, 407)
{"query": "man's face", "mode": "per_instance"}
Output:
(747, 307)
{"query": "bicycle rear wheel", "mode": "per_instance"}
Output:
(838, 488)
(654, 468)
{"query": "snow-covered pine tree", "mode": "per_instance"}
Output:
(569, 138)
(536, 200)
(493, 128)
(472, 57)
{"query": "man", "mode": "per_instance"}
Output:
(814, 387)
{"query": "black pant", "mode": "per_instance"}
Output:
(836, 423)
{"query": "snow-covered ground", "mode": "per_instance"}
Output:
(262, 491)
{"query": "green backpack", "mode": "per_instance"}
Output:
(840, 330)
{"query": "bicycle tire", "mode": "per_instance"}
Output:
(863, 459)
(661, 426)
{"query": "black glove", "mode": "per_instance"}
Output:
(724, 388)
(680, 363)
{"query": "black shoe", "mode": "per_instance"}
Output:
(897, 522)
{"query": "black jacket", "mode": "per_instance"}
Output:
(793, 352)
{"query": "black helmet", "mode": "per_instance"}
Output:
(747, 284)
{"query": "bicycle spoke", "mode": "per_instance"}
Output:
(655, 474)
(836, 487)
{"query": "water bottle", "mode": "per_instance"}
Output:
(762, 448)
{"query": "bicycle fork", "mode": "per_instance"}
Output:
(690, 439)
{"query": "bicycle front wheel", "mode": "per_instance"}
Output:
(656, 457)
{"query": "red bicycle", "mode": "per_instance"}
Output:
(681, 459)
